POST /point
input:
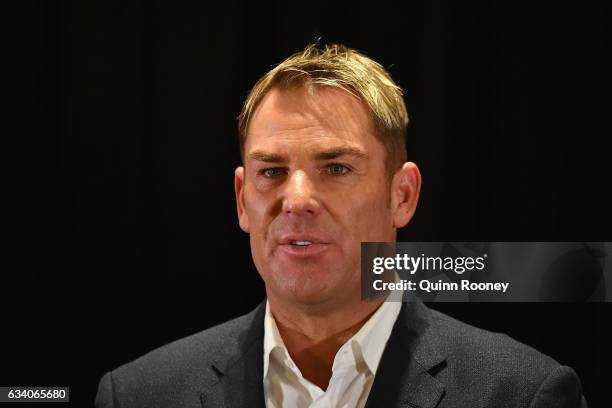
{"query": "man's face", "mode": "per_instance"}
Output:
(313, 187)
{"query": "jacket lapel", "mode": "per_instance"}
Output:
(240, 370)
(405, 376)
(406, 373)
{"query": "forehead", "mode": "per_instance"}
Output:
(320, 116)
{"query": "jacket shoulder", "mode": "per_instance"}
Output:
(179, 370)
(198, 349)
(463, 339)
(503, 371)
(487, 350)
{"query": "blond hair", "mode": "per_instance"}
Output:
(338, 66)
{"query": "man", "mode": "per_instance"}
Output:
(323, 147)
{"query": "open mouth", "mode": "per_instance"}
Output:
(301, 243)
(303, 246)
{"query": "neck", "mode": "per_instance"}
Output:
(314, 334)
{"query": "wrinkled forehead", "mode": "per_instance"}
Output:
(312, 117)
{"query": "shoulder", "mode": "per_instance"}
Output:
(498, 368)
(197, 350)
(486, 350)
(180, 367)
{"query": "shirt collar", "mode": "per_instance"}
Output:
(371, 339)
(374, 334)
(272, 338)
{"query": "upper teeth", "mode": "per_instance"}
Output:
(301, 243)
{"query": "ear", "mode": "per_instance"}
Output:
(243, 218)
(405, 190)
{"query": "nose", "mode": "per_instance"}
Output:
(299, 195)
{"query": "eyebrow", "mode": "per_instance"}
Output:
(266, 157)
(340, 151)
(329, 154)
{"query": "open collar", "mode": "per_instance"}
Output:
(405, 375)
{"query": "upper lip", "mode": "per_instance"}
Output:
(286, 239)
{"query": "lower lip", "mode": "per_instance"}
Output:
(304, 250)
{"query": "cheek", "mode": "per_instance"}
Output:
(369, 216)
(257, 206)
(256, 250)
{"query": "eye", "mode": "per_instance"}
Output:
(273, 172)
(337, 169)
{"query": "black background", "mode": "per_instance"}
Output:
(121, 225)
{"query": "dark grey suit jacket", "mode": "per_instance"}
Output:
(431, 360)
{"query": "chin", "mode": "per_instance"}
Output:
(304, 297)
(310, 287)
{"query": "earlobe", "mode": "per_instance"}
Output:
(405, 190)
(243, 218)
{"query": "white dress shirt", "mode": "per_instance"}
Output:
(353, 370)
